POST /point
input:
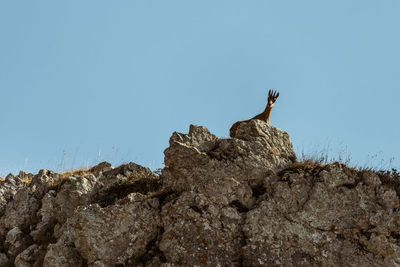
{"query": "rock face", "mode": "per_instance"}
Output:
(218, 202)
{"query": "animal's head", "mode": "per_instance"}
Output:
(272, 97)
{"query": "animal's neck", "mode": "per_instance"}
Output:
(267, 112)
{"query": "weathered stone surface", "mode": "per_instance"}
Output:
(118, 233)
(268, 140)
(62, 256)
(117, 183)
(8, 188)
(44, 229)
(21, 211)
(32, 256)
(100, 168)
(244, 201)
(4, 260)
(322, 217)
(200, 232)
(226, 169)
(43, 181)
(16, 241)
(76, 191)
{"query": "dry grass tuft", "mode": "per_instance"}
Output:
(79, 172)
(63, 177)
(305, 166)
(309, 164)
(26, 180)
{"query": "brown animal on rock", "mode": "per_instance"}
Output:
(265, 116)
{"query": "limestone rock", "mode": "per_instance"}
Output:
(244, 201)
(101, 167)
(16, 241)
(200, 232)
(8, 188)
(118, 233)
(74, 192)
(119, 182)
(21, 211)
(62, 256)
(325, 216)
(47, 220)
(32, 256)
(43, 182)
(226, 170)
(4, 260)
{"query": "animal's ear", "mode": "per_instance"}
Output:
(269, 93)
(277, 95)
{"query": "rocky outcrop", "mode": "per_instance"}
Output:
(244, 201)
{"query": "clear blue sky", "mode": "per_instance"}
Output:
(86, 81)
